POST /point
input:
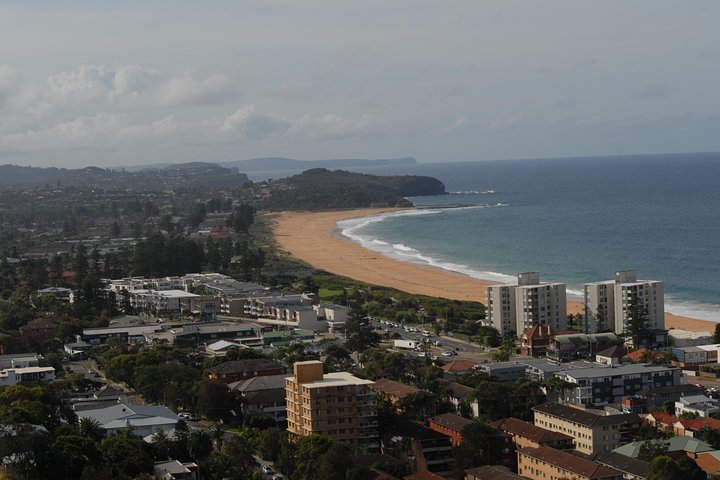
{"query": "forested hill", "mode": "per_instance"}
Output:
(321, 189)
(189, 175)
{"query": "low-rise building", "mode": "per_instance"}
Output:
(263, 396)
(564, 348)
(459, 394)
(603, 385)
(505, 372)
(545, 463)
(13, 376)
(698, 405)
(491, 472)
(525, 434)
(691, 358)
(425, 449)
(142, 420)
(592, 430)
(236, 370)
(394, 392)
(451, 425)
(631, 468)
(677, 447)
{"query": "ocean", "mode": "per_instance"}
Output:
(574, 220)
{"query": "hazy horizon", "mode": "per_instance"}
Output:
(135, 83)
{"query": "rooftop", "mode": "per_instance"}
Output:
(570, 462)
(515, 426)
(458, 366)
(396, 389)
(336, 379)
(633, 466)
(676, 444)
(492, 472)
(585, 417)
(451, 421)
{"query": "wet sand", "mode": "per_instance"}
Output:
(309, 236)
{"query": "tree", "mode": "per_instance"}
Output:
(214, 399)
(269, 445)
(716, 335)
(481, 445)
(638, 325)
(126, 455)
(653, 448)
(663, 468)
(358, 332)
(601, 319)
(689, 469)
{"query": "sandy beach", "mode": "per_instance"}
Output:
(309, 237)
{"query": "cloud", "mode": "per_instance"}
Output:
(190, 90)
(248, 122)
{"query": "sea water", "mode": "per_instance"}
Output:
(573, 220)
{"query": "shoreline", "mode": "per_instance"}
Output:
(314, 237)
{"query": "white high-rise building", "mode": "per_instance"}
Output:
(613, 298)
(517, 307)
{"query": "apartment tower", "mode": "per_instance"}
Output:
(608, 302)
(520, 306)
(337, 405)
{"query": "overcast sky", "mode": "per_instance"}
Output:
(112, 83)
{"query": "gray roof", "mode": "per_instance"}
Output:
(266, 382)
(676, 444)
(585, 417)
(633, 466)
(608, 371)
(113, 417)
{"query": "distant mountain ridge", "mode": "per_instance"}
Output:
(169, 177)
(281, 163)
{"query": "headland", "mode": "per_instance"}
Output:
(310, 236)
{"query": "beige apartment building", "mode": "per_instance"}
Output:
(546, 463)
(615, 296)
(515, 308)
(337, 405)
(592, 431)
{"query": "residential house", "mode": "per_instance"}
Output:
(18, 360)
(394, 392)
(592, 430)
(451, 425)
(545, 463)
(459, 394)
(236, 370)
(709, 462)
(525, 434)
(694, 427)
(456, 368)
(263, 396)
(535, 340)
(40, 328)
(142, 420)
(611, 356)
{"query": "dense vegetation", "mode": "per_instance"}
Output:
(321, 189)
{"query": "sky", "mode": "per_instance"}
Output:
(109, 83)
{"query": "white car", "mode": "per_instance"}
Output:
(421, 354)
(267, 470)
(448, 354)
(187, 416)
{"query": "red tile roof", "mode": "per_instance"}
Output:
(570, 462)
(458, 366)
(391, 387)
(527, 430)
(423, 476)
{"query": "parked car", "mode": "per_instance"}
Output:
(448, 354)
(187, 416)
(421, 354)
(266, 470)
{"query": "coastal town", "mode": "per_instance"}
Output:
(259, 364)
